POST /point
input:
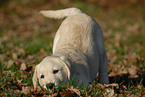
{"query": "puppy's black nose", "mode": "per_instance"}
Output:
(50, 85)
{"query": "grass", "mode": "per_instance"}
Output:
(31, 49)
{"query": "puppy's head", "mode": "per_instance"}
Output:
(50, 72)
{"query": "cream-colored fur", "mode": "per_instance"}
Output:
(78, 51)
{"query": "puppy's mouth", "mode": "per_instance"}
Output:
(50, 86)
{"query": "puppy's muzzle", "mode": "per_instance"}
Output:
(50, 85)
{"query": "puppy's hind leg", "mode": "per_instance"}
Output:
(103, 64)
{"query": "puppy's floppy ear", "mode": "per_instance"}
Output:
(35, 77)
(66, 64)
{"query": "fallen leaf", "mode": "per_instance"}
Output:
(2, 57)
(48, 95)
(139, 86)
(19, 81)
(100, 85)
(25, 90)
(10, 45)
(17, 92)
(122, 70)
(132, 28)
(23, 66)
(43, 52)
(109, 92)
(117, 39)
(14, 55)
(68, 93)
(38, 88)
(112, 85)
(75, 90)
(5, 38)
(20, 51)
(106, 34)
(132, 70)
(132, 57)
(112, 74)
(53, 95)
(143, 93)
(10, 63)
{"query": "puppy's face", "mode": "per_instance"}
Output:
(51, 71)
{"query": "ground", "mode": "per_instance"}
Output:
(26, 38)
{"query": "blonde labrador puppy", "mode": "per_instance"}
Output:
(78, 51)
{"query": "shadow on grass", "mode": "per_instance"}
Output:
(127, 81)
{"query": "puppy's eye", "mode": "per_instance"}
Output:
(42, 76)
(55, 71)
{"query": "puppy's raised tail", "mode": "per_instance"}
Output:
(59, 14)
